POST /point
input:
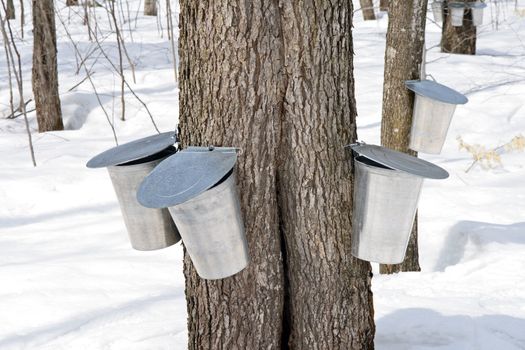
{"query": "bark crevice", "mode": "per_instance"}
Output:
(287, 312)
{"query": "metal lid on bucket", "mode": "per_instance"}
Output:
(477, 5)
(133, 150)
(400, 161)
(436, 91)
(185, 175)
(456, 4)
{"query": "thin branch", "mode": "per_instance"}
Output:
(81, 82)
(18, 76)
(88, 76)
(172, 38)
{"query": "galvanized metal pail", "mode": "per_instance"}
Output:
(385, 204)
(212, 230)
(437, 11)
(386, 194)
(434, 108)
(456, 11)
(476, 10)
(198, 187)
(148, 229)
(128, 164)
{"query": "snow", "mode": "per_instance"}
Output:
(70, 280)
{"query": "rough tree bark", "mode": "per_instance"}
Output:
(71, 2)
(276, 80)
(459, 40)
(367, 7)
(45, 72)
(383, 5)
(150, 7)
(405, 41)
(10, 10)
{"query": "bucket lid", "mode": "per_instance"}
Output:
(436, 91)
(456, 5)
(400, 161)
(477, 5)
(185, 175)
(133, 150)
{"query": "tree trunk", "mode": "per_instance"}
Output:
(10, 10)
(460, 40)
(367, 7)
(45, 74)
(405, 41)
(276, 80)
(150, 7)
(383, 5)
(71, 2)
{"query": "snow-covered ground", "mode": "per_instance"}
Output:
(69, 279)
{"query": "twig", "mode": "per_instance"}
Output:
(8, 61)
(172, 38)
(21, 114)
(14, 116)
(80, 83)
(127, 85)
(22, 18)
(88, 76)
(18, 76)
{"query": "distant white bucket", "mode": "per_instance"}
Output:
(437, 11)
(456, 11)
(434, 107)
(476, 9)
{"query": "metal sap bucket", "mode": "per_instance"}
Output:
(199, 188)
(437, 10)
(386, 194)
(434, 107)
(128, 165)
(476, 10)
(456, 11)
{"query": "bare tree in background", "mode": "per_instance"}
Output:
(459, 40)
(45, 72)
(10, 11)
(276, 80)
(150, 7)
(405, 41)
(367, 7)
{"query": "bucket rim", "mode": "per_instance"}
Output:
(383, 170)
(457, 5)
(134, 150)
(128, 168)
(400, 161)
(477, 5)
(436, 91)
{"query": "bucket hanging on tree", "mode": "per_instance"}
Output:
(128, 165)
(456, 11)
(386, 194)
(434, 106)
(199, 188)
(476, 9)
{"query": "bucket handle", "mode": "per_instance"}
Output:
(357, 143)
(224, 149)
(176, 140)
